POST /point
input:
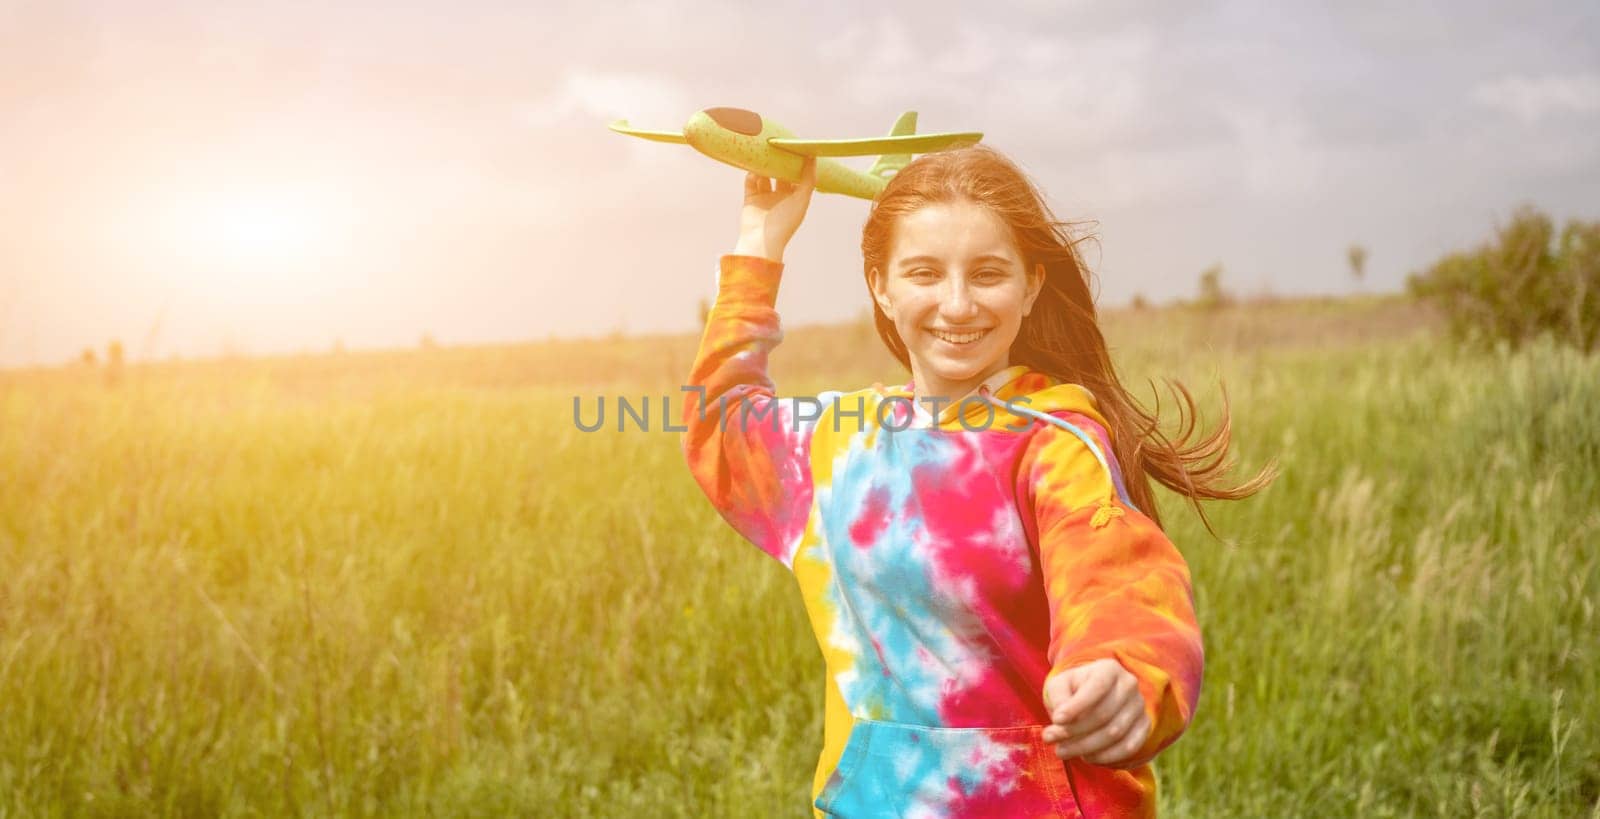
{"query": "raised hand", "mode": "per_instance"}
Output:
(773, 210)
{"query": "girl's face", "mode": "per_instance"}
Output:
(957, 290)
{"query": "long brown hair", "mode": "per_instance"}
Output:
(1061, 335)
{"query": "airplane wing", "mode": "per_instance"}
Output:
(621, 126)
(908, 144)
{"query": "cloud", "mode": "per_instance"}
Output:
(649, 101)
(1277, 153)
(590, 99)
(976, 52)
(1531, 99)
(1086, 85)
(1124, 179)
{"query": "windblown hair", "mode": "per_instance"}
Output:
(1061, 335)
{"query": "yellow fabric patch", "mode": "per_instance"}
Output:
(1104, 514)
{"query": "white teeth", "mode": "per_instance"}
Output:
(960, 338)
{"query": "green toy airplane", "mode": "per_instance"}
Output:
(747, 140)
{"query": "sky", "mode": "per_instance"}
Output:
(204, 178)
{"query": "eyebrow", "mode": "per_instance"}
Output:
(929, 259)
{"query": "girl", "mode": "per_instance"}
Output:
(1006, 629)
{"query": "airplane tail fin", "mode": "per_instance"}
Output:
(888, 164)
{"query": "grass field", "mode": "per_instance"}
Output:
(406, 584)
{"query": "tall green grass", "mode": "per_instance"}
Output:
(406, 584)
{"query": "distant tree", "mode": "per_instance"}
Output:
(1580, 270)
(1526, 282)
(114, 362)
(427, 342)
(1212, 294)
(1358, 261)
(88, 357)
(1139, 302)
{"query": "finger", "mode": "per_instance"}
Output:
(1090, 721)
(1122, 692)
(808, 172)
(1125, 748)
(1087, 693)
(1106, 737)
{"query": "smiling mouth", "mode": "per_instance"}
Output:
(958, 338)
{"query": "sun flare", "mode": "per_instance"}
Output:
(256, 231)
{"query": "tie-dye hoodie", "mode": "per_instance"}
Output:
(947, 569)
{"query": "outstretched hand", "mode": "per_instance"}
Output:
(773, 210)
(1096, 712)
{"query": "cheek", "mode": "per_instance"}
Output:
(1007, 308)
(911, 311)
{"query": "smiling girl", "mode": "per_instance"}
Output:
(1006, 628)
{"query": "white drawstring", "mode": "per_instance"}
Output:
(1094, 448)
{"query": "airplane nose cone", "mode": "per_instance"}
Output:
(737, 120)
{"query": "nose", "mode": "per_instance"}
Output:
(957, 306)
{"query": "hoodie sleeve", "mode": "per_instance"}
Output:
(747, 449)
(1116, 586)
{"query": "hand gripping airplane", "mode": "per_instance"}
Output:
(747, 140)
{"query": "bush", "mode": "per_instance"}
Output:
(1212, 294)
(1525, 283)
